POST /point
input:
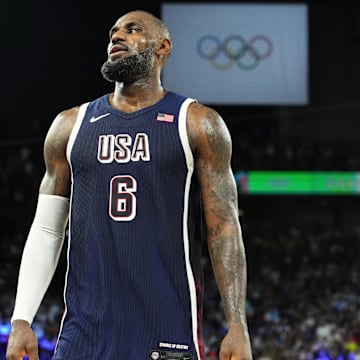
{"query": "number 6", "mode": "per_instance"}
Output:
(122, 203)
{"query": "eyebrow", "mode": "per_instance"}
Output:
(127, 26)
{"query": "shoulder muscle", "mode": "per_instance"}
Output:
(208, 134)
(58, 134)
(56, 180)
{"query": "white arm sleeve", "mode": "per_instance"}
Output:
(40, 255)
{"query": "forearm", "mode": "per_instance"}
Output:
(40, 255)
(228, 259)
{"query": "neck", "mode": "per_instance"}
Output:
(136, 96)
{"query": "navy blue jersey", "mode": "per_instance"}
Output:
(133, 284)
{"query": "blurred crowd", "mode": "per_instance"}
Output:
(262, 146)
(303, 301)
(303, 276)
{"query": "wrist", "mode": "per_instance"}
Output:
(238, 326)
(19, 323)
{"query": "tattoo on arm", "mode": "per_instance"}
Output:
(218, 183)
(221, 211)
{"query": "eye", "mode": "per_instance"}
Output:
(133, 29)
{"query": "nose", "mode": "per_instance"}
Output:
(117, 36)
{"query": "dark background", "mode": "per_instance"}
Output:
(51, 53)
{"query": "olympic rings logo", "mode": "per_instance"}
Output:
(234, 50)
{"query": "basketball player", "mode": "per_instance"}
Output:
(135, 172)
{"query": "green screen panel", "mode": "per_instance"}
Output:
(298, 182)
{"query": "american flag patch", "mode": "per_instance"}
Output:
(165, 117)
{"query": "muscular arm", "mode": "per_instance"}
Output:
(211, 144)
(56, 180)
(44, 242)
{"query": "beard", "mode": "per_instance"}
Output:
(129, 69)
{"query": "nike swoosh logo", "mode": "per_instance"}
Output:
(96, 118)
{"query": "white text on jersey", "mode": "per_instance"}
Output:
(123, 149)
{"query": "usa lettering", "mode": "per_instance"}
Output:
(123, 149)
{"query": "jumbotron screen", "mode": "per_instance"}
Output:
(298, 182)
(231, 53)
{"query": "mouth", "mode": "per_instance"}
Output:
(118, 49)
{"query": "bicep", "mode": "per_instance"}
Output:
(57, 177)
(213, 169)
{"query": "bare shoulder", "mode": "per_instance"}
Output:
(57, 137)
(63, 124)
(56, 180)
(60, 130)
(207, 131)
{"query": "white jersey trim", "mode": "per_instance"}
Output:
(75, 130)
(190, 166)
(71, 141)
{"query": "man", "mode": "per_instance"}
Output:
(136, 170)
